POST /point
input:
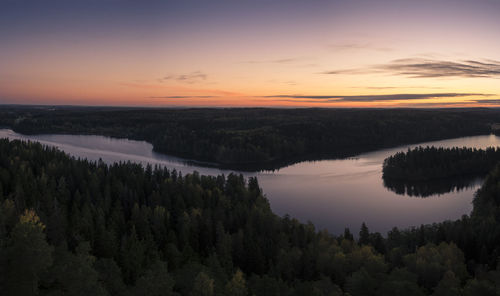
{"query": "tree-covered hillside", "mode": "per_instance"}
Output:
(70, 227)
(256, 138)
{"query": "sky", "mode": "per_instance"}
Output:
(315, 53)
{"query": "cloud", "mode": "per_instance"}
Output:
(193, 77)
(182, 97)
(278, 61)
(422, 68)
(355, 46)
(164, 90)
(429, 68)
(376, 87)
(395, 87)
(284, 61)
(368, 70)
(369, 98)
(491, 102)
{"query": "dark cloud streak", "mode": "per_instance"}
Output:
(428, 68)
(491, 102)
(182, 97)
(190, 78)
(394, 87)
(372, 98)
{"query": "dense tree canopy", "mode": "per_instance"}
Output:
(73, 227)
(431, 163)
(257, 138)
(430, 170)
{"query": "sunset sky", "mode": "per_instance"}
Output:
(318, 53)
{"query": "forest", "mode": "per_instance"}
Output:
(74, 227)
(431, 163)
(255, 139)
(427, 171)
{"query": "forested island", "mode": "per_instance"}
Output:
(431, 163)
(74, 227)
(430, 170)
(255, 138)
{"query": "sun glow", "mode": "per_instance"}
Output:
(240, 55)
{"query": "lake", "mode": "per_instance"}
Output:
(332, 194)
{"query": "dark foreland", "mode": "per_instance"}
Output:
(256, 138)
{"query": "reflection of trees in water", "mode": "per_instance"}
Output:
(429, 188)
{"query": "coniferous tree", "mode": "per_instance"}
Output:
(27, 256)
(203, 285)
(237, 285)
(364, 235)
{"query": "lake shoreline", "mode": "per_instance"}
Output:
(256, 139)
(332, 194)
(250, 167)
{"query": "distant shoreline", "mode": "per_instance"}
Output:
(255, 139)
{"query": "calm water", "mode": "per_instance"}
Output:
(332, 194)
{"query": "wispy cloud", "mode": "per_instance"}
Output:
(430, 68)
(465, 104)
(369, 98)
(183, 90)
(396, 87)
(277, 61)
(490, 102)
(182, 97)
(355, 46)
(190, 78)
(422, 68)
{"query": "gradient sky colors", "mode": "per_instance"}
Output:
(372, 53)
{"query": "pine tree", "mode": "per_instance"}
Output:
(28, 255)
(203, 285)
(237, 285)
(364, 235)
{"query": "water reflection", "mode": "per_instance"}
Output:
(333, 194)
(431, 188)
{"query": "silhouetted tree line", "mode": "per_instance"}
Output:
(430, 170)
(255, 138)
(431, 163)
(74, 227)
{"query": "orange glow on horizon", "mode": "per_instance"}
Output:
(179, 58)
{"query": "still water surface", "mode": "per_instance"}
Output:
(333, 194)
